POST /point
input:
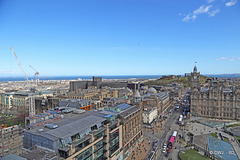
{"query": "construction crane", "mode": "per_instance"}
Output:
(36, 74)
(31, 97)
(19, 64)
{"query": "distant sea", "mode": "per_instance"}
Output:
(4, 79)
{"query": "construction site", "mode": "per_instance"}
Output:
(17, 108)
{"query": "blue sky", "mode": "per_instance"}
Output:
(119, 37)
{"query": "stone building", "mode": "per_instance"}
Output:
(18, 102)
(175, 90)
(131, 120)
(93, 94)
(215, 99)
(44, 104)
(96, 134)
(83, 104)
(111, 101)
(80, 84)
(159, 100)
(14, 102)
(11, 140)
(149, 114)
(95, 82)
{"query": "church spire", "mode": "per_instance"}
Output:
(195, 68)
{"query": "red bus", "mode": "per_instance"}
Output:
(170, 143)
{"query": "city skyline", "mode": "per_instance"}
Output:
(119, 38)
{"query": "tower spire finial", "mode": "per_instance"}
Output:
(195, 67)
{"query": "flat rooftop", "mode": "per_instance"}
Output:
(67, 125)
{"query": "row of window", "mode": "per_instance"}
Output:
(206, 103)
(216, 109)
(85, 154)
(216, 114)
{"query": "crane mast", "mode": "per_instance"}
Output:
(30, 96)
(19, 64)
(36, 74)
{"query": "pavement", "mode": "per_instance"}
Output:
(141, 151)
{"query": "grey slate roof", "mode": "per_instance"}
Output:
(70, 125)
(76, 127)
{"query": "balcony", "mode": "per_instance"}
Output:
(98, 149)
(113, 150)
(95, 132)
(79, 141)
(113, 125)
(113, 136)
(65, 149)
(101, 158)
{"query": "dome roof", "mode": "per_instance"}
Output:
(137, 94)
(151, 90)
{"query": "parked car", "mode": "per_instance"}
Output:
(164, 145)
(164, 150)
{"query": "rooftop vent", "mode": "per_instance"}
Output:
(40, 130)
(51, 126)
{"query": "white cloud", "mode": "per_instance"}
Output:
(231, 3)
(221, 58)
(228, 59)
(211, 7)
(214, 12)
(194, 16)
(191, 16)
(187, 18)
(202, 9)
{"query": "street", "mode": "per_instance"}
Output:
(170, 126)
(164, 133)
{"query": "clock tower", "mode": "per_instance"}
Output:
(195, 79)
(195, 91)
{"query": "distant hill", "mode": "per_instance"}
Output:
(235, 75)
(186, 81)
